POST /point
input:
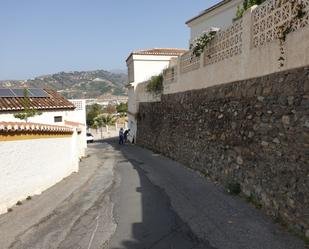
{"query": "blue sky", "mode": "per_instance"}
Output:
(48, 36)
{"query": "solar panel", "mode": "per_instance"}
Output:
(5, 92)
(21, 93)
(39, 93)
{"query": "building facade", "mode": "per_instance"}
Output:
(142, 65)
(218, 16)
(37, 153)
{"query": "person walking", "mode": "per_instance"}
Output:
(125, 134)
(121, 136)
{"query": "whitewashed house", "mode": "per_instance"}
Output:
(36, 154)
(142, 65)
(220, 16)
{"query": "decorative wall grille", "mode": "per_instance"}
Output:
(272, 14)
(227, 43)
(189, 62)
(78, 104)
(170, 75)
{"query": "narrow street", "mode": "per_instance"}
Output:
(126, 197)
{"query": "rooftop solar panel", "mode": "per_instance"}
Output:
(19, 93)
(39, 93)
(5, 92)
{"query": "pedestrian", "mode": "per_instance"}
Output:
(126, 133)
(121, 136)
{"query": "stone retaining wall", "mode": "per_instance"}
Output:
(253, 132)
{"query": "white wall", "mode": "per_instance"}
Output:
(79, 116)
(47, 117)
(28, 167)
(221, 17)
(146, 66)
(143, 68)
(252, 62)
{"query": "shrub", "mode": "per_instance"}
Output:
(155, 84)
(199, 44)
(246, 5)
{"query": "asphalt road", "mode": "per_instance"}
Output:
(161, 204)
(126, 197)
(74, 214)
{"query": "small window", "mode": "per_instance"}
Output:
(58, 119)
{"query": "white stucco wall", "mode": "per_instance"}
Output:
(251, 63)
(221, 17)
(147, 66)
(79, 116)
(47, 117)
(28, 167)
(143, 67)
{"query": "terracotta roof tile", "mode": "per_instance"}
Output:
(53, 101)
(34, 127)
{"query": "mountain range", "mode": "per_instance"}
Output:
(78, 84)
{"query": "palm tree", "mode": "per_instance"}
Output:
(103, 120)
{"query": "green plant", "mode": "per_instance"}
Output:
(122, 108)
(29, 198)
(92, 112)
(103, 120)
(19, 203)
(155, 84)
(199, 44)
(247, 4)
(28, 111)
(286, 28)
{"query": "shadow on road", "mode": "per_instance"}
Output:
(160, 227)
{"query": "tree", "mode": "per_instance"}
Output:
(93, 111)
(110, 109)
(122, 108)
(103, 120)
(28, 111)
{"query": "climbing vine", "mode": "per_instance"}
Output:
(199, 44)
(283, 30)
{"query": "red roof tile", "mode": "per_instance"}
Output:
(34, 127)
(52, 102)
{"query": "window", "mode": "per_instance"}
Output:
(58, 119)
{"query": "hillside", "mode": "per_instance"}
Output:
(83, 84)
